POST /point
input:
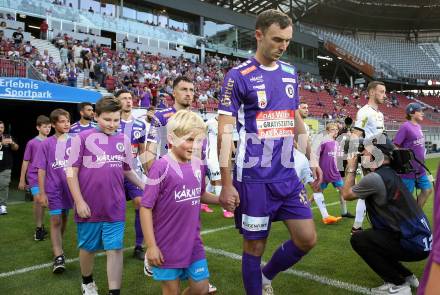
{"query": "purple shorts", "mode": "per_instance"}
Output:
(263, 203)
(132, 191)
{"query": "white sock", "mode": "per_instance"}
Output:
(265, 280)
(319, 200)
(216, 190)
(360, 211)
(343, 206)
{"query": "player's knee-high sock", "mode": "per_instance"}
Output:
(138, 229)
(343, 206)
(251, 272)
(360, 211)
(284, 257)
(319, 200)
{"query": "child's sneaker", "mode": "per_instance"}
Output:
(267, 289)
(89, 289)
(40, 234)
(412, 281)
(212, 289)
(205, 208)
(227, 214)
(59, 264)
(139, 252)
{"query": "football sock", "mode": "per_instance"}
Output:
(284, 257)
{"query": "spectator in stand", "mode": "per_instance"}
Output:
(43, 30)
(64, 51)
(72, 74)
(146, 98)
(18, 37)
(91, 9)
(9, 17)
(3, 25)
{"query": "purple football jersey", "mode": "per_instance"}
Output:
(435, 252)
(52, 157)
(30, 155)
(175, 201)
(101, 160)
(410, 136)
(328, 153)
(146, 100)
(77, 127)
(264, 101)
(158, 130)
(135, 130)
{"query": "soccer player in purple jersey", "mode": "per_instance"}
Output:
(136, 130)
(51, 162)
(171, 208)
(328, 151)
(430, 284)
(29, 172)
(262, 95)
(410, 136)
(85, 109)
(100, 159)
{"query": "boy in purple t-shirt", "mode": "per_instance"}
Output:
(29, 172)
(51, 162)
(100, 159)
(328, 153)
(410, 136)
(170, 212)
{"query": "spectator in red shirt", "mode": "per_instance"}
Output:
(43, 30)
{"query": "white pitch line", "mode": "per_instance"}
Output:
(40, 266)
(302, 274)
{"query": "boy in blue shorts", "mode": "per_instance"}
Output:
(100, 159)
(51, 161)
(410, 136)
(170, 212)
(29, 172)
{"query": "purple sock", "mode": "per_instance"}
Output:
(138, 229)
(251, 272)
(284, 257)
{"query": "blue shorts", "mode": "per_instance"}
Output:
(197, 271)
(58, 212)
(132, 191)
(35, 190)
(263, 203)
(422, 183)
(94, 236)
(336, 184)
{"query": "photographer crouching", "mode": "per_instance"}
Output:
(399, 229)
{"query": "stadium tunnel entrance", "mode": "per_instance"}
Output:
(19, 117)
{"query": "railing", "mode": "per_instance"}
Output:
(12, 67)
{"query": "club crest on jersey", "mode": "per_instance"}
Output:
(137, 134)
(198, 175)
(120, 147)
(290, 90)
(257, 79)
(68, 151)
(262, 99)
(248, 70)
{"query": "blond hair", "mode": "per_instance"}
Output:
(330, 125)
(184, 122)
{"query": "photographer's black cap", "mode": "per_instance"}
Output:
(387, 148)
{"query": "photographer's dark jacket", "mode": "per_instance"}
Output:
(391, 207)
(6, 157)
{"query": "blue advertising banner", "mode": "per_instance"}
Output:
(28, 89)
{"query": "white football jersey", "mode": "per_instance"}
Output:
(370, 120)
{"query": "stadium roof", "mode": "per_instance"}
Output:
(364, 15)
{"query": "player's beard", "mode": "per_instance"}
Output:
(88, 118)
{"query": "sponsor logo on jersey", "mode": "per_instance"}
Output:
(257, 79)
(275, 124)
(251, 223)
(248, 70)
(262, 99)
(290, 90)
(227, 92)
(242, 65)
(259, 87)
(289, 80)
(120, 147)
(186, 194)
(288, 69)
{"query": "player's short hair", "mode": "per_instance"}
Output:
(184, 122)
(272, 16)
(180, 79)
(330, 125)
(57, 113)
(82, 105)
(122, 91)
(373, 85)
(42, 120)
(108, 105)
(302, 101)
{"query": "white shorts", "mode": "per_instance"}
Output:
(214, 169)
